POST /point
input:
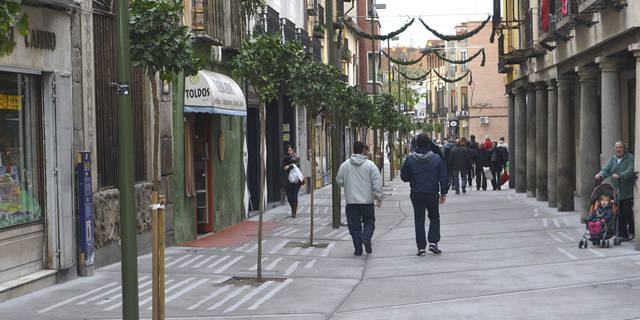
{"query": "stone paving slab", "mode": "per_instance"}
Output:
(505, 256)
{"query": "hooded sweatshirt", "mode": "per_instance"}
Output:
(426, 172)
(361, 180)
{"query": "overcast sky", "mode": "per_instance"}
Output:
(441, 15)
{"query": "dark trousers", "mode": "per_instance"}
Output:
(470, 171)
(481, 178)
(625, 220)
(428, 202)
(361, 222)
(495, 177)
(457, 175)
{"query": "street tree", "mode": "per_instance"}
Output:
(162, 46)
(265, 62)
(317, 87)
(11, 17)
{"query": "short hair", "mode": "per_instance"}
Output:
(624, 145)
(423, 141)
(463, 140)
(501, 138)
(358, 147)
(473, 137)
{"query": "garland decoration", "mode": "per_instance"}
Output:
(420, 78)
(470, 77)
(363, 34)
(457, 37)
(405, 63)
(452, 80)
(484, 58)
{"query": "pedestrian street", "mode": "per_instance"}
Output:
(504, 256)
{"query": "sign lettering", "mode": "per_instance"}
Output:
(38, 39)
(10, 102)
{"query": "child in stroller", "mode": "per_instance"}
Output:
(601, 223)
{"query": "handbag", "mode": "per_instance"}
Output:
(505, 177)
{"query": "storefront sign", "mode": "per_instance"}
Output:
(10, 102)
(211, 92)
(38, 39)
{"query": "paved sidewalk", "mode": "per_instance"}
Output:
(505, 256)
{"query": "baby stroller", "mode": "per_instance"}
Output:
(606, 233)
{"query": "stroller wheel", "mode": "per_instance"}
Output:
(580, 244)
(616, 241)
(602, 244)
(586, 244)
(608, 244)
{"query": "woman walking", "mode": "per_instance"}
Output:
(292, 189)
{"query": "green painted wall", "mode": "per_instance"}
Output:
(184, 207)
(228, 174)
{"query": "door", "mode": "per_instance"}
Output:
(203, 174)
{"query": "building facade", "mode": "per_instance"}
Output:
(570, 73)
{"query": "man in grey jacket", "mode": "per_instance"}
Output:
(362, 184)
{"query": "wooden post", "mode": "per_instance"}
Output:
(154, 257)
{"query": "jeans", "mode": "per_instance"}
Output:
(495, 177)
(625, 220)
(470, 175)
(481, 178)
(357, 215)
(429, 202)
(456, 179)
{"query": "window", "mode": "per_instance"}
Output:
(371, 10)
(372, 67)
(463, 56)
(454, 101)
(463, 98)
(21, 152)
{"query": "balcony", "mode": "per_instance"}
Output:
(205, 24)
(312, 8)
(561, 23)
(593, 6)
(288, 29)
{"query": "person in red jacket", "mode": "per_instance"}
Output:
(487, 143)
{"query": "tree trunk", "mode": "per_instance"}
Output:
(313, 179)
(156, 127)
(261, 204)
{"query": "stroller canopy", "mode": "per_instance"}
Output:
(605, 188)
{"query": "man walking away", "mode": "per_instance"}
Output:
(471, 154)
(426, 173)
(620, 168)
(458, 163)
(482, 158)
(362, 183)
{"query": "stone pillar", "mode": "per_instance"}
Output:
(611, 107)
(565, 153)
(512, 140)
(520, 155)
(635, 48)
(541, 141)
(552, 143)
(531, 142)
(589, 136)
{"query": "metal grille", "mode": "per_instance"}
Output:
(106, 108)
(303, 37)
(317, 50)
(289, 30)
(321, 15)
(273, 20)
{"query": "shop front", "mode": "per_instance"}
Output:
(36, 166)
(214, 109)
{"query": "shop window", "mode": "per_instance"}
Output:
(21, 155)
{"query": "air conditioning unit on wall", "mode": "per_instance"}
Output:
(484, 120)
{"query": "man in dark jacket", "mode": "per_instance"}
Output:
(458, 162)
(482, 159)
(470, 170)
(427, 175)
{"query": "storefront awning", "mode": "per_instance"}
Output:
(212, 92)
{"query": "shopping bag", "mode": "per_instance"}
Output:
(487, 171)
(295, 175)
(505, 177)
